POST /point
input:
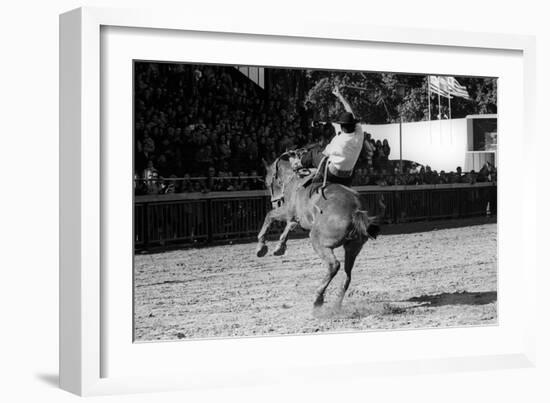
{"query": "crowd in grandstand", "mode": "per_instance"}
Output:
(423, 176)
(191, 118)
(213, 127)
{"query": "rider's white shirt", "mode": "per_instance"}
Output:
(344, 149)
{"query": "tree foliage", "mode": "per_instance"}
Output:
(388, 97)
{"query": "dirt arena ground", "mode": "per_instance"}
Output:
(430, 279)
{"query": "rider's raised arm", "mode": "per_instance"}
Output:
(343, 100)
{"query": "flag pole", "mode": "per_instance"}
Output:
(400, 144)
(430, 108)
(439, 104)
(429, 103)
(450, 120)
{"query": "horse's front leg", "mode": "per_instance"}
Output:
(280, 249)
(278, 214)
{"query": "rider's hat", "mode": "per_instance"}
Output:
(347, 118)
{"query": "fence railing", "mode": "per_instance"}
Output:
(197, 184)
(194, 218)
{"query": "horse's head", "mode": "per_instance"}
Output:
(278, 174)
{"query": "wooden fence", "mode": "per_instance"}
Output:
(191, 218)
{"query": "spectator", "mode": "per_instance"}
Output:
(378, 156)
(369, 149)
(471, 178)
(154, 185)
(386, 149)
(211, 184)
(171, 185)
(430, 177)
(442, 177)
(149, 171)
(459, 178)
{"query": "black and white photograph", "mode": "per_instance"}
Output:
(273, 201)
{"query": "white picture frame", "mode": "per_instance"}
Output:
(82, 194)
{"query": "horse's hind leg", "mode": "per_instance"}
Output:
(280, 249)
(352, 249)
(333, 265)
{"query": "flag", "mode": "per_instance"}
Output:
(440, 86)
(456, 89)
(448, 87)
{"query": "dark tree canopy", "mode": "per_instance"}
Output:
(386, 97)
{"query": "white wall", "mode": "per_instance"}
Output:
(441, 144)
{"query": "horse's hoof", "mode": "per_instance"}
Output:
(279, 250)
(261, 251)
(319, 302)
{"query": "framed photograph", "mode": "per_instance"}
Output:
(246, 204)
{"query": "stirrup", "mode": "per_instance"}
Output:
(325, 172)
(320, 167)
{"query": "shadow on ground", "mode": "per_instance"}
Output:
(363, 308)
(456, 298)
(50, 379)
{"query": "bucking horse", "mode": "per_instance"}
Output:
(334, 217)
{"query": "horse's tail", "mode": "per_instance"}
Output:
(364, 225)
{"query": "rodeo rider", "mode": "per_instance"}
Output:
(343, 150)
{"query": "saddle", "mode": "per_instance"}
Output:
(315, 178)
